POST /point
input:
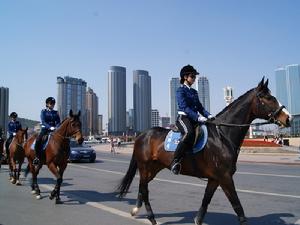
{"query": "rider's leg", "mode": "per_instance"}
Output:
(7, 143)
(186, 127)
(37, 147)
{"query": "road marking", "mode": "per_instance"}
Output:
(102, 206)
(191, 184)
(242, 173)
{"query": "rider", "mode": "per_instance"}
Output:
(13, 126)
(50, 120)
(190, 113)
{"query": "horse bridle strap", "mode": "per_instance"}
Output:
(237, 125)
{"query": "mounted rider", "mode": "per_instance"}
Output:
(190, 114)
(13, 126)
(50, 120)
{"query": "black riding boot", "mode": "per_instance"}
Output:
(37, 149)
(178, 155)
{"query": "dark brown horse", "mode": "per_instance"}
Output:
(217, 162)
(17, 155)
(56, 153)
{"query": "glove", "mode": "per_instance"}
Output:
(52, 128)
(211, 117)
(14, 134)
(201, 119)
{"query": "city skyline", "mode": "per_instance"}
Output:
(222, 40)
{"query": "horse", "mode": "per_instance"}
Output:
(55, 155)
(17, 155)
(1, 149)
(216, 162)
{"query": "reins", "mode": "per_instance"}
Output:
(237, 125)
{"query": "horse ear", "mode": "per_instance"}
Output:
(79, 113)
(266, 84)
(261, 83)
(71, 113)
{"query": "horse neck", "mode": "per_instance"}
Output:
(238, 113)
(62, 129)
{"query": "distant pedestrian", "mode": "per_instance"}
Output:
(119, 142)
(112, 146)
(266, 138)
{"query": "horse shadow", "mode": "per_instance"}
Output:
(84, 196)
(213, 218)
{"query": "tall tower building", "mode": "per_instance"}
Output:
(288, 92)
(203, 92)
(154, 118)
(141, 100)
(116, 100)
(92, 112)
(174, 85)
(228, 95)
(4, 103)
(100, 124)
(72, 95)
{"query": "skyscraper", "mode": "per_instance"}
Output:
(100, 124)
(228, 95)
(154, 118)
(4, 103)
(72, 95)
(116, 100)
(288, 92)
(203, 92)
(174, 85)
(92, 112)
(141, 100)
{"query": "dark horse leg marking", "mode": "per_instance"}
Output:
(211, 187)
(228, 187)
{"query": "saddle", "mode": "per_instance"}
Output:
(45, 141)
(174, 137)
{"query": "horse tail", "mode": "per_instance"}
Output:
(127, 179)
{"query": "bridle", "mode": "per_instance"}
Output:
(69, 136)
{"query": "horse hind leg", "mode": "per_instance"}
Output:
(228, 187)
(210, 189)
(18, 182)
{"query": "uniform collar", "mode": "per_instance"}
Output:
(186, 86)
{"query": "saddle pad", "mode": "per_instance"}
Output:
(173, 138)
(44, 145)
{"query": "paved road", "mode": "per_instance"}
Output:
(270, 195)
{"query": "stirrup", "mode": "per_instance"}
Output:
(36, 161)
(176, 167)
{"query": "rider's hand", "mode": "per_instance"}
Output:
(202, 119)
(52, 128)
(211, 117)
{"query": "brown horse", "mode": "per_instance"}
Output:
(56, 154)
(17, 155)
(216, 162)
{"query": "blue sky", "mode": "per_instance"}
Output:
(231, 42)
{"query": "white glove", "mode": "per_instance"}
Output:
(201, 119)
(52, 128)
(14, 134)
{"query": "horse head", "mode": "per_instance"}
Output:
(21, 136)
(74, 128)
(266, 106)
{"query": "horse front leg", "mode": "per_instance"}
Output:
(210, 189)
(18, 173)
(55, 193)
(228, 187)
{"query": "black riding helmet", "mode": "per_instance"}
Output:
(13, 115)
(50, 100)
(186, 70)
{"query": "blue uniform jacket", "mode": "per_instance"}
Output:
(13, 127)
(49, 118)
(188, 102)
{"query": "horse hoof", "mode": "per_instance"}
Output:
(51, 197)
(134, 211)
(33, 192)
(38, 197)
(13, 181)
(197, 221)
(18, 183)
(58, 202)
(153, 221)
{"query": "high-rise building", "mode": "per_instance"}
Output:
(228, 95)
(100, 124)
(4, 103)
(165, 121)
(154, 118)
(116, 100)
(141, 100)
(72, 95)
(203, 92)
(92, 112)
(174, 85)
(129, 119)
(288, 92)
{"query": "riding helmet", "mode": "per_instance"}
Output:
(186, 70)
(50, 100)
(13, 115)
